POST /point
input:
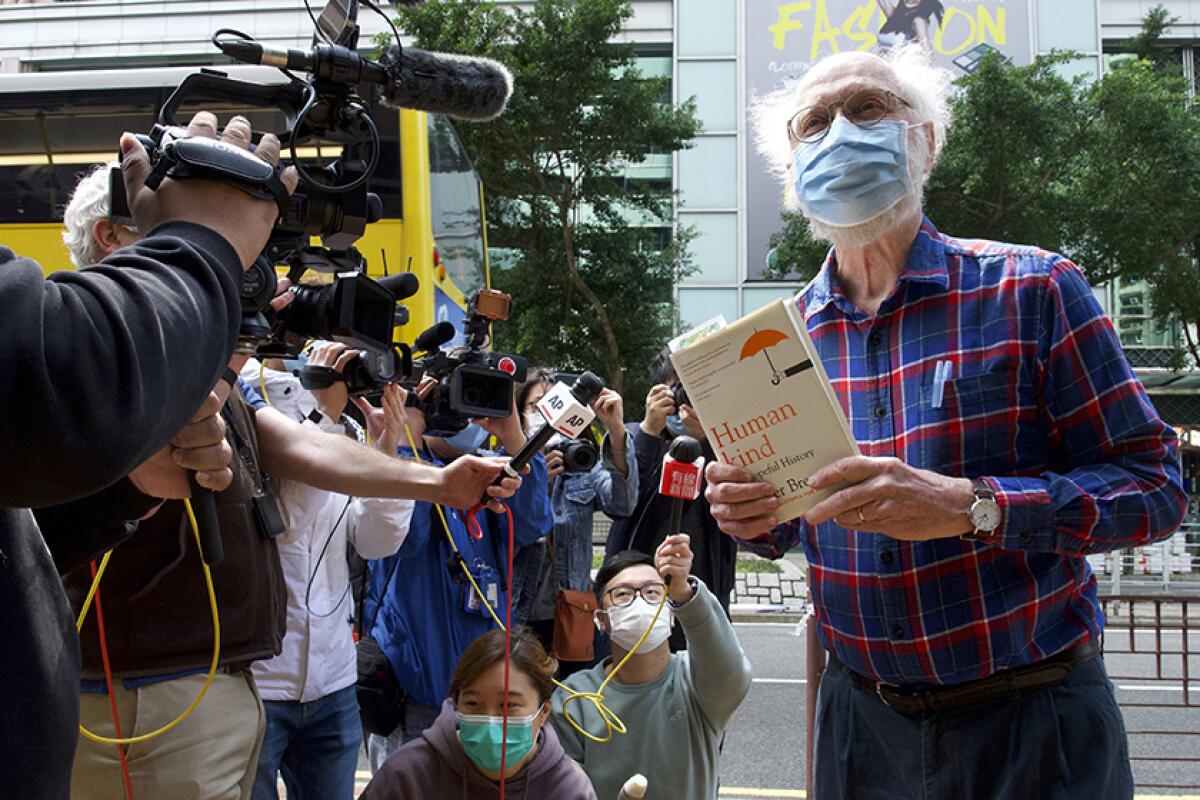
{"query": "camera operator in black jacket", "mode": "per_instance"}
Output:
(101, 368)
(156, 612)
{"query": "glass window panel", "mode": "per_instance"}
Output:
(1067, 25)
(707, 27)
(759, 296)
(714, 250)
(455, 212)
(708, 173)
(699, 305)
(714, 85)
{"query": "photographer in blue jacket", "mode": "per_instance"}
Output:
(577, 493)
(421, 609)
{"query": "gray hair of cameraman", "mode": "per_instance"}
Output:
(89, 204)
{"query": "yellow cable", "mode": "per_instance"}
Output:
(446, 529)
(611, 721)
(212, 670)
(262, 382)
(609, 717)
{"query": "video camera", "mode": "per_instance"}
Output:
(332, 201)
(472, 380)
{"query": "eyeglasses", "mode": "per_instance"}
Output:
(865, 108)
(622, 596)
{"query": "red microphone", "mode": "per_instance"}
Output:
(682, 468)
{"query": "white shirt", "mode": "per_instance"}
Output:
(318, 656)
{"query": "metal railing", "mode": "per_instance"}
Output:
(1161, 566)
(1152, 652)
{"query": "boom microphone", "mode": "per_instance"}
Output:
(463, 87)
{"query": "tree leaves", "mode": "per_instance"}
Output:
(592, 286)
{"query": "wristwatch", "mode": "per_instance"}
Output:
(985, 511)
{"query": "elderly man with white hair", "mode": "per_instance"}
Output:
(1004, 437)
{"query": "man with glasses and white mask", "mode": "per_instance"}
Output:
(674, 706)
(1004, 437)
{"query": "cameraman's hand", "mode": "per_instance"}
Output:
(244, 221)
(468, 478)
(386, 423)
(610, 410)
(332, 399)
(659, 405)
(507, 430)
(199, 446)
(554, 464)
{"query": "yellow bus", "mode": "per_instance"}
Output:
(55, 126)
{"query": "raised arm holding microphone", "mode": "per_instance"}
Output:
(675, 706)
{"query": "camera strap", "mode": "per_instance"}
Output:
(213, 160)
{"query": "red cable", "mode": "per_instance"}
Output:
(507, 646)
(112, 700)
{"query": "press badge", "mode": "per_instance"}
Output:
(489, 583)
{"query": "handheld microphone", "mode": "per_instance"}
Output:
(634, 788)
(567, 410)
(402, 285)
(463, 87)
(682, 468)
(433, 337)
(204, 506)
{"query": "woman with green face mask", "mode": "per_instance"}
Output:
(460, 755)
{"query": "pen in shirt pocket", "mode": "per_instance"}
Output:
(941, 373)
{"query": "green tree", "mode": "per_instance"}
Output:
(1106, 172)
(592, 286)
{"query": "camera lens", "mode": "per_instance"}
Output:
(579, 455)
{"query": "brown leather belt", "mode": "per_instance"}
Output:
(1005, 684)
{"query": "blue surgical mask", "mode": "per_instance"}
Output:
(469, 439)
(853, 174)
(481, 735)
(294, 365)
(675, 425)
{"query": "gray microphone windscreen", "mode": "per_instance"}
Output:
(463, 87)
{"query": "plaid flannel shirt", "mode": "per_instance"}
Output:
(1040, 403)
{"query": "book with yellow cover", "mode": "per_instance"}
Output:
(765, 401)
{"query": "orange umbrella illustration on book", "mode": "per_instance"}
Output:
(760, 342)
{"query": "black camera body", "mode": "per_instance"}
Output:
(331, 202)
(579, 455)
(472, 380)
(679, 396)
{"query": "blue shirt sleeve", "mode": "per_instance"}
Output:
(252, 398)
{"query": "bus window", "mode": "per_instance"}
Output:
(457, 218)
(54, 138)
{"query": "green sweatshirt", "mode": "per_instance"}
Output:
(675, 722)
